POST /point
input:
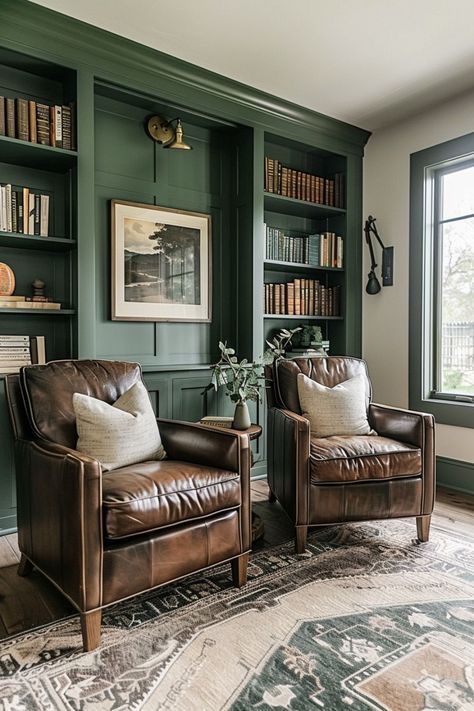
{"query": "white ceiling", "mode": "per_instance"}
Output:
(368, 62)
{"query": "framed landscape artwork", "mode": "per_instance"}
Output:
(161, 264)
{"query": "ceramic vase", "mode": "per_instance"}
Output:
(241, 417)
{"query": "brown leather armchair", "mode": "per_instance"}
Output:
(330, 480)
(101, 537)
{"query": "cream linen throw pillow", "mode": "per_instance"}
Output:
(341, 410)
(119, 434)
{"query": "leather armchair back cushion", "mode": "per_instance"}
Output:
(48, 391)
(328, 371)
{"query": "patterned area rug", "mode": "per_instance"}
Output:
(366, 619)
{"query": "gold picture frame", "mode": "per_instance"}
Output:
(161, 264)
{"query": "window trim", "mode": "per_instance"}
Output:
(422, 284)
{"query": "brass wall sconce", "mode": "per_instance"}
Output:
(162, 131)
(373, 284)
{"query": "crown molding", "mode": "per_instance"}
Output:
(37, 30)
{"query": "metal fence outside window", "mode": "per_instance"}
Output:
(458, 346)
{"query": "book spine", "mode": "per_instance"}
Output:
(52, 126)
(32, 121)
(22, 127)
(44, 215)
(26, 208)
(3, 128)
(6, 340)
(42, 124)
(10, 113)
(58, 126)
(37, 214)
(297, 297)
(8, 203)
(14, 213)
(72, 106)
(19, 210)
(31, 214)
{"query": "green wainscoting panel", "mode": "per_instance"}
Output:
(130, 166)
(455, 474)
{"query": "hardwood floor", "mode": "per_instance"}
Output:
(33, 601)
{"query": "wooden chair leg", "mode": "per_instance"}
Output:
(271, 497)
(423, 528)
(25, 566)
(301, 534)
(239, 570)
(90, 628)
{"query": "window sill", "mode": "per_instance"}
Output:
(446, 412)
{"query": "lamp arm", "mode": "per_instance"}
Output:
(370, 227)
(367, 231)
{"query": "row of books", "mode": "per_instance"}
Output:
(319, 250)
(29, 302)
(303, 297)
(23, 211)
(298, 184)
(36, 122)
(17, 351)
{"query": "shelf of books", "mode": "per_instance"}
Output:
(38, 161)
(304, 234)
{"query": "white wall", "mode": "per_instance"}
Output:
(387, 197)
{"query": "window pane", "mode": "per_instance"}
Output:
(457, 307)
(458, 194)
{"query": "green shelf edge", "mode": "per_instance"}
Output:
(35, 155)
(18, 240)
(38, 312)
(284, 317)
(300, 208)
(297, 267)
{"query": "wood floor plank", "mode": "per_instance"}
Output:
(29, 602)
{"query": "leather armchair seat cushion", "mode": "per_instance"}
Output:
(360, 458)
(150, 495)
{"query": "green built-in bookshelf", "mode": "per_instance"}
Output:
(115, 85)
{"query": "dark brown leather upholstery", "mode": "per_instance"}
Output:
(335, 479)
(143, 497)
(326, 371)
(101, 537)
(360, 458)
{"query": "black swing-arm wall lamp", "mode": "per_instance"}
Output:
(373, 284)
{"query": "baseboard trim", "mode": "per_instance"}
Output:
(455, 474)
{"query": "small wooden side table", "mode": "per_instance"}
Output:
(253, 432)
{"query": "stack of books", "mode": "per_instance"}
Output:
(23, 211)
(319, 250)
(28, 302)
(36, 122)
(17, 351)
(303, 297)
(281, 180)
(216, 421)
(309, 352)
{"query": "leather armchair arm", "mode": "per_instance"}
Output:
(60, 517)
(288, 438)
(193, 442)
(223, 448)
(403, 425)
(416, 428)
